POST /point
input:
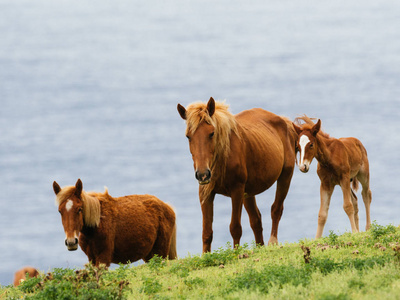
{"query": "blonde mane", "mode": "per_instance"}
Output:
(91, 204)
(224, 123)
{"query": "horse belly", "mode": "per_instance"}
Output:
(264, 165)
(134, 239)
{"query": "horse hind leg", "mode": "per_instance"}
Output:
(367, 196)
(354, 201)
(255, 218)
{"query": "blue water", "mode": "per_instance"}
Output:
(89, 90)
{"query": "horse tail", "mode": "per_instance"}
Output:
(354, 184)
(172, 247)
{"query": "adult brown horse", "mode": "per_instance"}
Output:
(116, 230)
(340, 162)
(239, 156)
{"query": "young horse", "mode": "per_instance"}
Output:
(239, 156)
(340, 161)
(116, 230)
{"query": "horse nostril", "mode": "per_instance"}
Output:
(71, 244)
(203, 176)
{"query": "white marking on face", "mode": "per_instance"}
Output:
(69, 204)
(304, 140)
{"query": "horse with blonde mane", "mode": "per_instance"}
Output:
(340, 162)
(239, 156)
(116, 230)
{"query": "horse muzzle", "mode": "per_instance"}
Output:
(203, 177)
(304, 168)
(71, 243)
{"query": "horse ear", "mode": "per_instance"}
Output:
(211, 106)
(56, 188)
(182, 111)
(296, 128)
(315, 129)
(78, 188)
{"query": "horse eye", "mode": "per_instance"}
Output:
(211, 135)
(80, 210)
(311, 145)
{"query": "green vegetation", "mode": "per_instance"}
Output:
(348, 266)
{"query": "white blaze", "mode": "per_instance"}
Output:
(304, 140)
(69, 204)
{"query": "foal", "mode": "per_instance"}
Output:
(340, 162)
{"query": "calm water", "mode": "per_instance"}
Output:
(89, 90)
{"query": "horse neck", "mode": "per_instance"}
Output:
(324, 153)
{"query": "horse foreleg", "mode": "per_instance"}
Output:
(236, 227)
(325, 194)
(347, 203)
(255, 218)
(282, 188)
(207, 209)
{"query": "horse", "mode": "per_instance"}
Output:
(239, 156)
(116, 230)
(21, 275)
(341, 162)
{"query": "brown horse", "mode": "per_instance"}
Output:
(340, 162)
(20, 275)
(116, 230)
(239, 156)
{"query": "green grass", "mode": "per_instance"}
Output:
(348, 266)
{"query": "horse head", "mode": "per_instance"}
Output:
(201, 140)
(307, 144)
(71, 210)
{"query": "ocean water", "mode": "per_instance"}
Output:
(89, 90)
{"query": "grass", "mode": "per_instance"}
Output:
(348, 266)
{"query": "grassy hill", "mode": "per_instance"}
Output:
(359, 266)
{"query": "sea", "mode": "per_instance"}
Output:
(89, 89)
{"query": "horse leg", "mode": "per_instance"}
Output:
(326, 191)
(207, 209)
(282, 188)
(354, 201)
(255, 218)
(236, 227)
(363, 177)
(347, 204)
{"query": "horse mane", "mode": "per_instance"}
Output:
(224, 123)
(306, 123)
(91, 203)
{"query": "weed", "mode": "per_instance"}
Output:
(88, 283)
(277, 275)
(150, 286)
(332, 238)
(156, 263)
(379, 230)
(191, 282)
